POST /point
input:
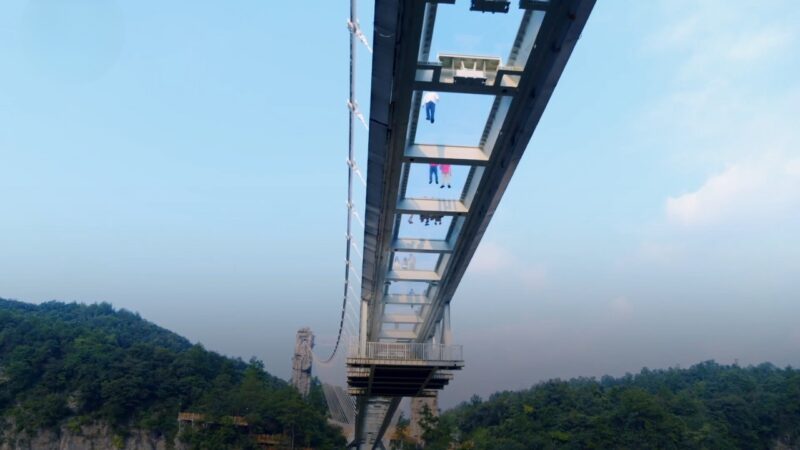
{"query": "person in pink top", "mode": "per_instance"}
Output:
(447, 174)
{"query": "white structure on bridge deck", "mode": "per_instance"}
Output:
(405, 346)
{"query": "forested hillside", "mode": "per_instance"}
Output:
(708, 406)
(74, 365)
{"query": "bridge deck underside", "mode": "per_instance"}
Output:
(397, 380)
(401, 69)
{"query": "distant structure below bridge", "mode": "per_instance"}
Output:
(342, 408)
(418, 405)
(301, 361)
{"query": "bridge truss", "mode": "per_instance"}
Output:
(405, 347)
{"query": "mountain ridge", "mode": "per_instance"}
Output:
(69, 366)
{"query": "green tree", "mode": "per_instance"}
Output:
(76, 364)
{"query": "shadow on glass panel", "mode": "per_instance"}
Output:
(424, 226)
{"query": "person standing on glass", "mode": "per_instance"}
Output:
(429, 101)
(447, 174)
(433, 173)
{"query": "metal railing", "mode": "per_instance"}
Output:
(407, 351)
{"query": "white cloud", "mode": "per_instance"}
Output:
(744, 192)
(725, 94)
(727, 112)
(759, 44)
(727, 106)
(720, 195)
(713, 35)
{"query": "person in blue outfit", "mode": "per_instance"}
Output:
(433, 173)
(429, 101)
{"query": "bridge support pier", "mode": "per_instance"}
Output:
(418, 405)
(447, 335)
(362, 332)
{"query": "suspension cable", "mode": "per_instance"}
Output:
(355, 34)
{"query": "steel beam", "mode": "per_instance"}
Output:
(422, 245)
(431, 206)
(413, 275)
(398, 334)
(402, 299)
(402, 318)
(535, 5)
(458, 88)
(446, 154)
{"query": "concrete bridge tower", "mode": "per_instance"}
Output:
(301, 361)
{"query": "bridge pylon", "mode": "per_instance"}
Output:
(302, 361)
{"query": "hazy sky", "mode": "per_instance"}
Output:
(186, 160)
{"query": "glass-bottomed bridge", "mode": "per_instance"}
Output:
(404, 347)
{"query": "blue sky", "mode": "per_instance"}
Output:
(186, 161)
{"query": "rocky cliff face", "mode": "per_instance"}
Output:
(89, 438)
